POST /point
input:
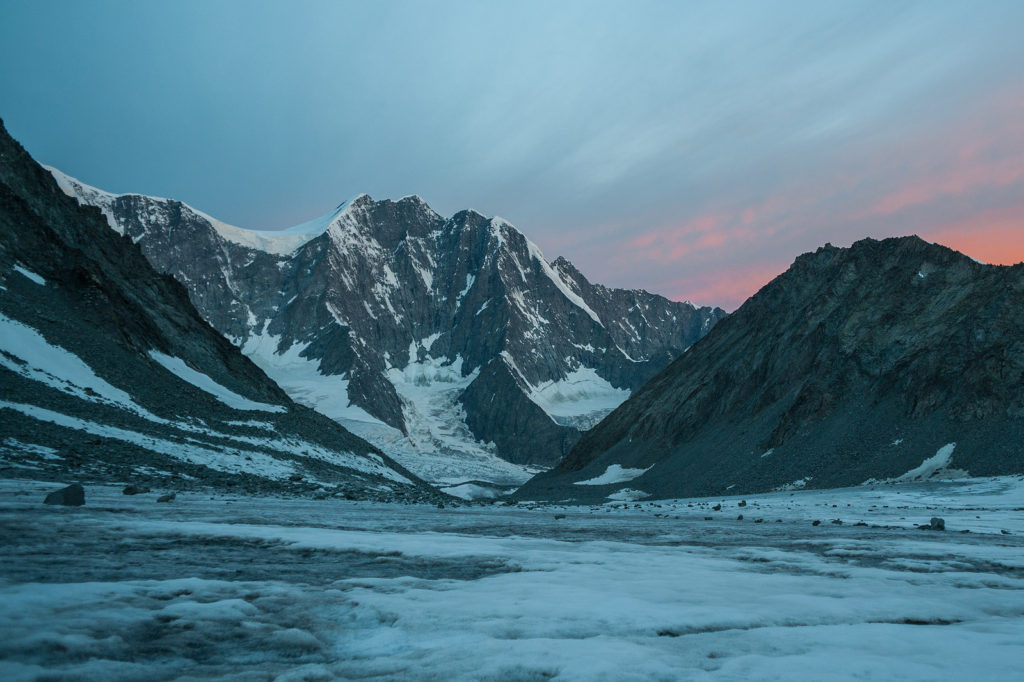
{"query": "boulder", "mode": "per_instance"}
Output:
(131, 489)
(72, 496)
(169, 497)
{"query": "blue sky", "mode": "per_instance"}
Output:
(693, 149)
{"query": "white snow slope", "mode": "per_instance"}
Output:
(28, 353)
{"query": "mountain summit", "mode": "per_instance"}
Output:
(451, 343)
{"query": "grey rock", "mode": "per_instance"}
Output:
(132, 489)
(169, 497)
(71, 496)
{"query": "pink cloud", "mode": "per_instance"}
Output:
(727, 288)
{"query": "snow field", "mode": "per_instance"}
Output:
(613, 592)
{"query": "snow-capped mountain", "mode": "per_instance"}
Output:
(893, 360)
(450, 342)
(107, 371)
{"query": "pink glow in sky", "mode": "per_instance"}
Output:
(693, 149)
(959, 183)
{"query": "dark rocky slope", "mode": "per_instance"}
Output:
(855, 364)
(82, 314)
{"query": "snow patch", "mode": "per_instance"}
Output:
(615, 473)
(931, 466)
(30, 275)
(470, 279)
(556, 279)
(796, 485)
(581, 394)
(302, 380)
(220, 459)
(628, 495)
(472, 491)
(55, 366)
(178, 368)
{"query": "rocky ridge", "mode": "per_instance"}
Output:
(889, 360)
(449, 342)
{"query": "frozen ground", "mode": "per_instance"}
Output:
(261, 588)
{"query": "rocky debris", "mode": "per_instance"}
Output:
(743, 503)
(71, 496)
(169, 497)
(740, 517)
(559, 516)
(132, 489)
(717, 507)
(936, 523)
(817, 522)
(856, 363)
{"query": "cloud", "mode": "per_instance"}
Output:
(959, 181)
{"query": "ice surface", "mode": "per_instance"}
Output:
(615, 473)
(178, 368)
(268, 588)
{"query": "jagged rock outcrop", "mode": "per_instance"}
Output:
(889, 359)
(436, 335)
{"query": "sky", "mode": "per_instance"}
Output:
(692, 149)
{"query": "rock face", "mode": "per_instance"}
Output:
(107, 370)
(433, 334)
(894, 358)
(71, 496)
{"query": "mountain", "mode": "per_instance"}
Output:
(108, 372)
(449, 342)
(894, 359)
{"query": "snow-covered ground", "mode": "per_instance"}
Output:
(266, 588)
